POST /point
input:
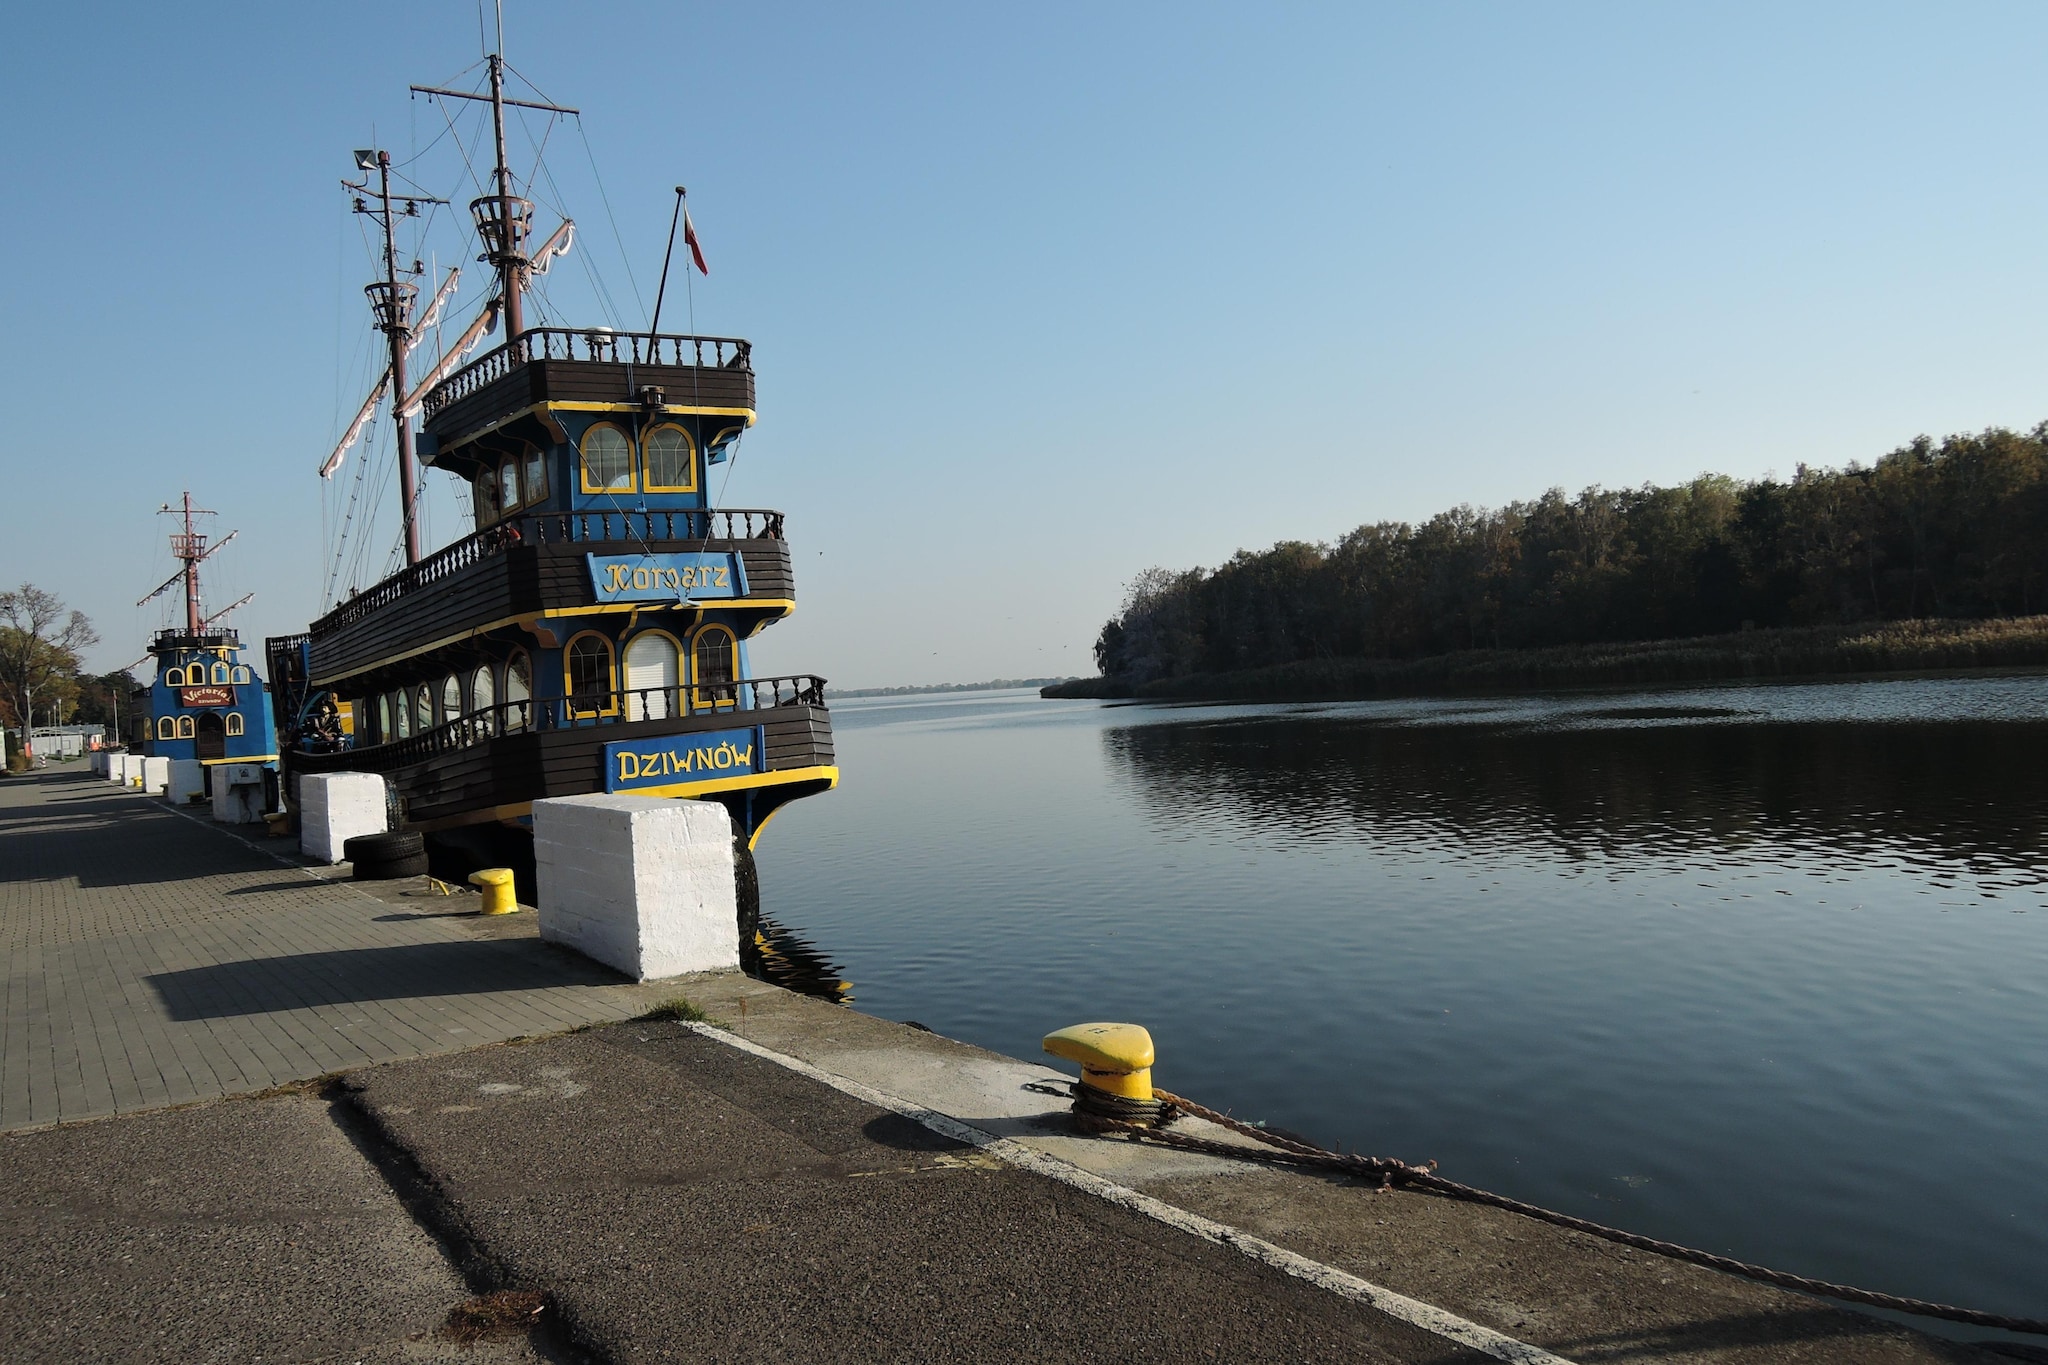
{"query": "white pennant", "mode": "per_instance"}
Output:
(433, 313)
(466, 343)
(557, 245)
(355, 428)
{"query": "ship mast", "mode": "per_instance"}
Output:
(189, 548)
(391, 299)
(510, 244)
(504, 220)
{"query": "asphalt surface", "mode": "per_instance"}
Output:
(246, 1230)
(681, 1200)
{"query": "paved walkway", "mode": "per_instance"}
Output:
(155, 958)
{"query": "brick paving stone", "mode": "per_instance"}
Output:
(154, 958)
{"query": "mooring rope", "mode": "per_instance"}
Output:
(1094, 1117)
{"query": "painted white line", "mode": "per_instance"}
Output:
(1414, 1312)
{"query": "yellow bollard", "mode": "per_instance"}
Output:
(499, 898)
(1115, 1059)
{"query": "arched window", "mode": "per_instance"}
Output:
(166, 728)
(451, 699)
(387, 726)
(651, 679)
(607, 460)
(714, 665)
(174, 677)
(185, 730)
(535, 479)
(587, 675)
(485, 493)
(401, 713)
(223, 674)
(423, 718)
(518, 692)
(482, 697)
(242, 674)
(671, 461)
(508, 485)
(234, 722)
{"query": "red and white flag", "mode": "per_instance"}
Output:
(690, 240)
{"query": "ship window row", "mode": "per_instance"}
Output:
(184, 727)
(518, 481)
(197, 676)
(651, 683)
(414, 710)
(666, 460)
(649, 687)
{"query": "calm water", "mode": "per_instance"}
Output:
(1758, 969)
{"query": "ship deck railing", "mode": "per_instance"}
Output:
(655, 350)
(552, 528)
(599, 709)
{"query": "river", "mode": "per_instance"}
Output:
(1758, 969)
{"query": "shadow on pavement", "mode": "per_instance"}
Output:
(409, 971)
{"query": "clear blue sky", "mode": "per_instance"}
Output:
(1041, 295)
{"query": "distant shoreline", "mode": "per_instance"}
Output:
(992, 685)
(1870, 649)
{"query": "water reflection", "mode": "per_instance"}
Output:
(1955, 799)
(1732, 966)
(781, 956)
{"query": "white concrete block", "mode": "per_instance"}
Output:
(336, 807)
(640, 883)
(188, 779)
(117, 769)
(156, 776)
(238, 793)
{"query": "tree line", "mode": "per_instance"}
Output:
(1950, 529)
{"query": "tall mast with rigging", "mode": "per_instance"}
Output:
(391, 299)
(189, 548)
(504, 220)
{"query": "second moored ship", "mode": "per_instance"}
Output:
(590, 635)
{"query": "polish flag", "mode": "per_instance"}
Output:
(690, 240)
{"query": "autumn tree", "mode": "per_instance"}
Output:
(40, 644)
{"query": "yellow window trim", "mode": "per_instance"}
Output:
(246, 758)
(545, 412)
(732, 646)
(611, 664)
(583, 460)
(646, 470)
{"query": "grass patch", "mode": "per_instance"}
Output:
(679, 1010)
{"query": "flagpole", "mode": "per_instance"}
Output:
(667, 256)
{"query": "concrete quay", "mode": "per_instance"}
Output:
(793, 1179)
